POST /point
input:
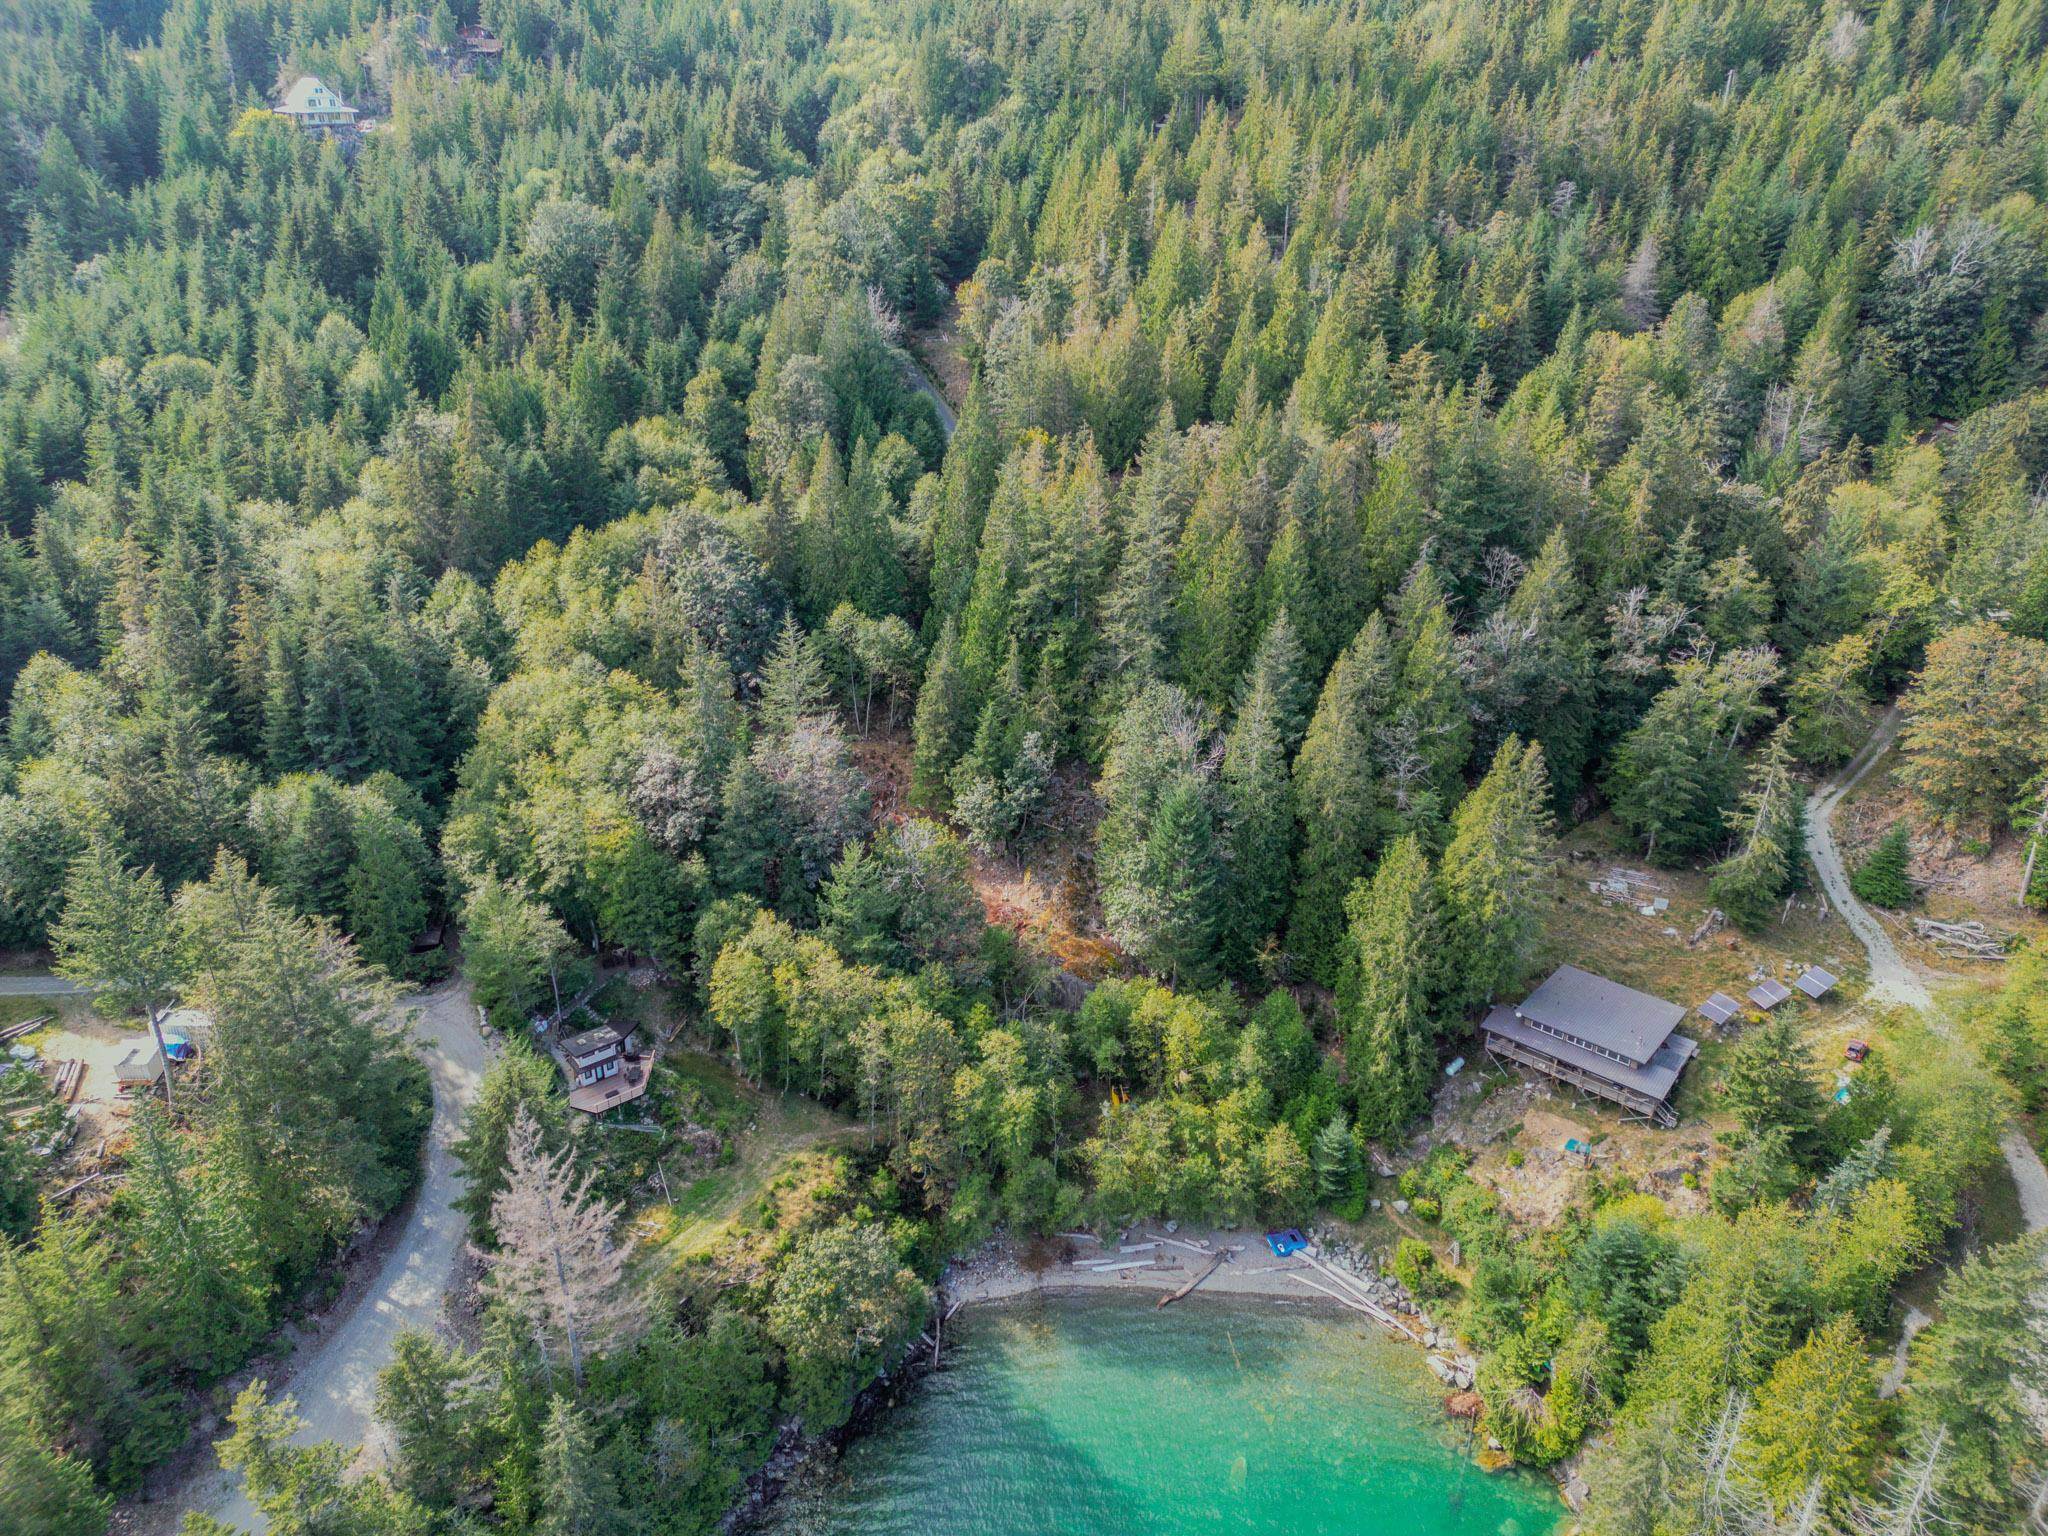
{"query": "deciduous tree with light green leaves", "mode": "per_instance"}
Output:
(117, 934)
(842, 1301)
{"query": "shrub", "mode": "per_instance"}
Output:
(1881, 878)
(1517, 1157)
(1415, 1266)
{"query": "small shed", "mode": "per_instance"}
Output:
(142, 1067)
(1719, 1008)
(1768, 993)
(1815, 982)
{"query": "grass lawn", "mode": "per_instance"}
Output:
(19, 1010)
(778, 1129)
(1616, 939)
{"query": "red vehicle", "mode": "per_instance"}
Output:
(1856, 1050)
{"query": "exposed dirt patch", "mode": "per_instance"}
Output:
(884, 756)
(1516, 1126)
(942, 350)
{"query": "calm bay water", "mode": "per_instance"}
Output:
(1104, 1417)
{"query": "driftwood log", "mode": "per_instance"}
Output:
(1964, 941)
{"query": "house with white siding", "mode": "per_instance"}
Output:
(314, 106)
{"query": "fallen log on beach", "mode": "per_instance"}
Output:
(1167, 1301)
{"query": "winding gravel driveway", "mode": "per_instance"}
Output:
(1891, 978)
(336, 1383)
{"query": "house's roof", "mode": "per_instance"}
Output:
(1653, 1079)
(593, 1041)
(1600, 1012)
(309, 94)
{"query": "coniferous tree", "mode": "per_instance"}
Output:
(1386, 1000)
(116, 933)
(583, 1494)
(199, 1266)
(48, 1493)
(519, 1083)
(316, 1104)
(68, 1380)
(1967, 1379)
(303, 1489)
(1769, 824)
(425, 1402)
(1881, 878)
(557, 1265)
(1337, 797)
(1491, 875)
(1815, 1421)
(1674, 773)
(1259, 821)
(1157, 864)
(1771, 1087)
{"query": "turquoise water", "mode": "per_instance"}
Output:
(1104, 1417)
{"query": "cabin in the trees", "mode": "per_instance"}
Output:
(604, 1069)
(481, 47)
(315, 107)
(1600, 1037)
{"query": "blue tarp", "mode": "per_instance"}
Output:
(1284, 1243)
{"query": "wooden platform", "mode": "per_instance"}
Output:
(611, 1092)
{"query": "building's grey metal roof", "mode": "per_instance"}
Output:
(1602, 1013)
(1654, 1079)
(1768, 994)
(1720, 1008)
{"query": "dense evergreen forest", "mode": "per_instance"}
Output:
(1394, 431)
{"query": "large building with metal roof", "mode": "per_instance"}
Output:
(1597, 1036)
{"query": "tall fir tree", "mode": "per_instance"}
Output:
(1259, 821)
(1338, 798)
(1769, 824)
(1492, 875)
(1387, 996)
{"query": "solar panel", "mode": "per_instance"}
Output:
(1768, 994)
(1815, 982)
(1720, 1008)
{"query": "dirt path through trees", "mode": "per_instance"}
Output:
(337, 1381)
(1891, 978)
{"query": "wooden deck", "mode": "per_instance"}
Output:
(1640, 1106)
(611, 1092)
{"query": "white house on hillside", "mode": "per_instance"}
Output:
(311, 104)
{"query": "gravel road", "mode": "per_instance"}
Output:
(1891, 978)
(930, 391)
(39, 986)
(335, 1385)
